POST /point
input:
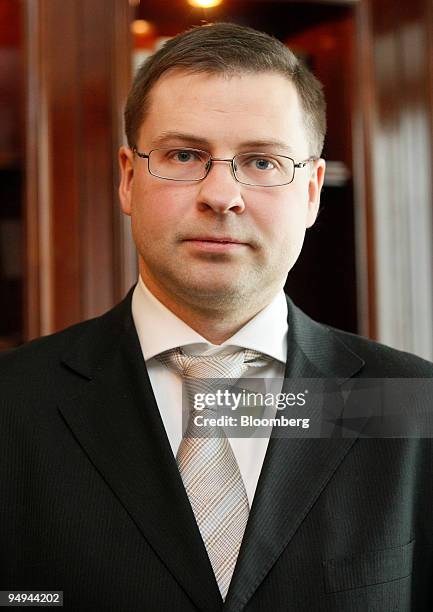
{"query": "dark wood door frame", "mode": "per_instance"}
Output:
(78, 71)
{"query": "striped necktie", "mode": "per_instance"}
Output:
(207, 464)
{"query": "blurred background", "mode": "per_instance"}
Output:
(65, 68)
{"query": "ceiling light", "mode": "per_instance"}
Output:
(204, 3)
(141, 27)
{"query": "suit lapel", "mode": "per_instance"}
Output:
(117, 423)
(296, 470)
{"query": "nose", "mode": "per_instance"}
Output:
(220, 191)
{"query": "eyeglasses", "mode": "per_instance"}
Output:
(255, 169)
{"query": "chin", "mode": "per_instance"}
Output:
(213, 294)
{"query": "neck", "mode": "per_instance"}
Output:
(216, 327)
(215, 324)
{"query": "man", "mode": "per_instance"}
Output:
(101, 497)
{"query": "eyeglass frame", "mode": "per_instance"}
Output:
(208, 166)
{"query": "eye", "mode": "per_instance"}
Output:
(257, 162)
(184, 156)
(263, 164)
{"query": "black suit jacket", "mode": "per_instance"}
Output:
(91, 501)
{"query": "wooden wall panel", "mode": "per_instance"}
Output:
(64, 150)
(77, 79)
(363, 131)
(399, 121)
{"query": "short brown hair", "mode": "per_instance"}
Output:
(227, 48)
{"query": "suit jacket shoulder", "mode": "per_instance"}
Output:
(44, 365)
(331, 348)
(380, 358)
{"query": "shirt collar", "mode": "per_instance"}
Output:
(159, 329)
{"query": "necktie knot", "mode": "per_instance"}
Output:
(204, 375)
(212, 366)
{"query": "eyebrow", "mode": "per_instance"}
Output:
(166, 138)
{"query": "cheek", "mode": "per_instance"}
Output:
(282, 225)
(281, 220)
(155, 209)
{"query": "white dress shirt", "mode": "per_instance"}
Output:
(159, 330)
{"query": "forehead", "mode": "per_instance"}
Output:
(225, 110)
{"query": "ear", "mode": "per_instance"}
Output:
(315, 185)
(126, 164)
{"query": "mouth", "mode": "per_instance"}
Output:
(216, 243)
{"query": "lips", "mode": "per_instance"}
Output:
(217, 239)
(224, 245)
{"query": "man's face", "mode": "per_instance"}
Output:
(217, 243)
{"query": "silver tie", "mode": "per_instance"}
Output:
(207, 464)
